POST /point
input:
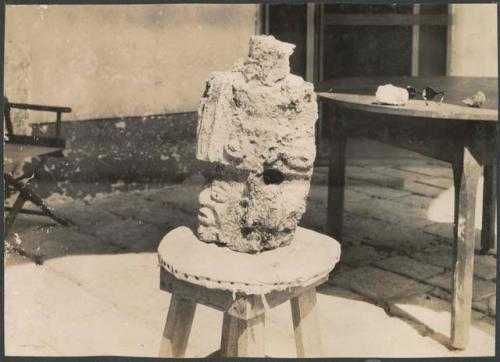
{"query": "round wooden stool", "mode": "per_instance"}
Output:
(243, 286)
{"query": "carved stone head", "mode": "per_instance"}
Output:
(256, 123)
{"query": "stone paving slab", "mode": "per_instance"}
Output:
(481, 289)
(354, 173)
(183, 196)
(43, 243)
(85, 215)
(131, 235)
(25, 222)
(124, 204)
(392, 178)
(437, 182)
(431, 180)
(378, 284)
(484, 265)
(376, 191)
(355, 256)
(418, 201)
(340, 268)
(441, 256)
(442, 170)
(409, 267)
(485, 306)
(390, 211)
(422, 189)
(165, 216)
(381, 234)
(443, 230)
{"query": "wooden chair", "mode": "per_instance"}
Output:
(20, 147)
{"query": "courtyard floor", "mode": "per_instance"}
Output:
(93, 288)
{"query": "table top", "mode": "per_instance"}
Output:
(414, 108)
(309, 257)
(358, 93)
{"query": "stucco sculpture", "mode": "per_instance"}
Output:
(256, 123)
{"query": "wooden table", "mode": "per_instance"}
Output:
(463, 136)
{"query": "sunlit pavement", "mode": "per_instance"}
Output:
(93, 288)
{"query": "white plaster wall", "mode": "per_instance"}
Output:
(112, 60)
(473, 44)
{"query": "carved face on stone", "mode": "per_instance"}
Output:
(256, 123)
(251, 215)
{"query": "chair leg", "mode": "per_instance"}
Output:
(176, 333)
(305, 324)
(28, 194)
(11, 217)
(242, 338)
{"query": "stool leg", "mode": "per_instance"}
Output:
(176, 333)
(305, 324)
(242, 338)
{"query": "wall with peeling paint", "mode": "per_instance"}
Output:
(113, 61)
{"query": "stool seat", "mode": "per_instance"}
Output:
(309, 257)
(244, 287)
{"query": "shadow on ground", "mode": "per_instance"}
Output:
(393, 256)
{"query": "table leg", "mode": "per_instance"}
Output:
(466, 172)
(488, 240)
(176, 333)
(336, 184)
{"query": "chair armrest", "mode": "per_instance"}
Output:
(39, 107)
(34, 107)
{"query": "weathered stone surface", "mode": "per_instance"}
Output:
(267, 60)
(258, 115)
(256, 123)
(248, 215)
(409, 267)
